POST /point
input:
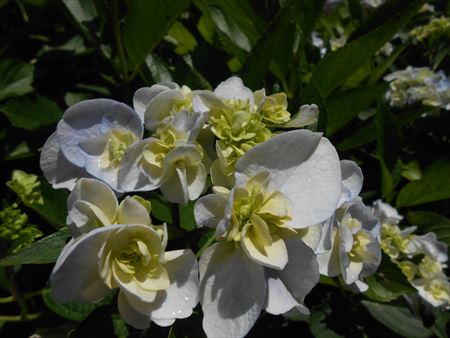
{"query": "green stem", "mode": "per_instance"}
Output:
(29, 295)
(118, 38)
(205, 246)
(8, 299)
(20, 318)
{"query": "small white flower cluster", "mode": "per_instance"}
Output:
(283, 206)
(418, 85)
(349, 245)
(402, 246)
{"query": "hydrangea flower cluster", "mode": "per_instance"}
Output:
(426, 273)
(437, 28)
(283, 207)
(418, 85)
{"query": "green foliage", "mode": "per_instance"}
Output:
(15, 78)
(339, 65)
(29, 115)
(431, 221)
(43, 251)
(433, 186)
(55, 54)
(141, 35)
(398, 319)
(71, 310)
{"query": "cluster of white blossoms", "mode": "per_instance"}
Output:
(418, 85)
(283, 206)
(426, 273)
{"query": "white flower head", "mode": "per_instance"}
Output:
(90, 141)
(290, 182)
(171, 161)
(160, 103)
(123, 251)
(355, 251)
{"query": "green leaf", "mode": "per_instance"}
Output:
(158, 70)
(346, 105)
(318, 325)
(31, 114)
(385, 290)
(15, 78)
(185, 41)
(430, 221)
(368, 133)
(383, 67)
(187, 217)
(398, 319)
(433, 186)
(54, 208)
(43, 251)
(146, 23)
(89, 16)
(73, 310)
(337, 66)
(274, 45)
(161, 209)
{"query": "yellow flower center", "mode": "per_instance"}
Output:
(118, 142)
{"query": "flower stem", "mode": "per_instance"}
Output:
(20, 318)
(205, 246)
(118, 38)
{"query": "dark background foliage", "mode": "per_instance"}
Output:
(56, 53)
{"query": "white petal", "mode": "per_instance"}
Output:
(196, 180)
(276, 254)
(429, 245)
(352, 181)
(182, 295)
(325, 242)
(130, 315)
(279, 299)
(144, 95)
(75, 276)
(159, 108)
(131, 177)
(89, 119)
(209, 210)
(163, 322)
(385, 211)
(132, 212)
(358, 210)
(329, 263)
(352, 272)
(301, 273)
(233, 88)
(305, 167)
(232, 291)
(306, 116)
(175, 188)
(94, 192)
(58, 171)
(281, 155)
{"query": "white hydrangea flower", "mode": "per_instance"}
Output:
(355, 251)
(90, 141)
(413, 85)
(171, 161)
(160, 103)
(154, 285)
(260, 261)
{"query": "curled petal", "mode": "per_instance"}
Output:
(232, 291)
(75, 276)
(58, 171)
(352, 181)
